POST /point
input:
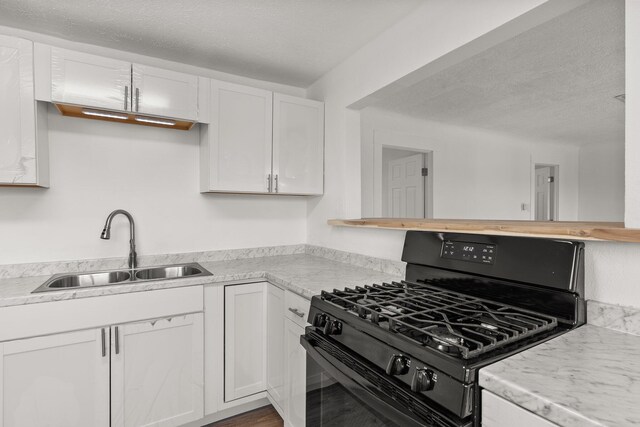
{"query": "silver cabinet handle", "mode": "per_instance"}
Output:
(276, 178)
(269, 183)
(126, 98)
(117, 341)
(296, 312)
(104, 343)
(137, 99)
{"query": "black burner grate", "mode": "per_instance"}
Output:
(453, 323)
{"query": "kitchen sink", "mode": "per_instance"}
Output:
(89, 279)
(60, 282)
(156, 273)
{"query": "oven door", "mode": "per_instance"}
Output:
(343, 390)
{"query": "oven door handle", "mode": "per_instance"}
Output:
(361, 388)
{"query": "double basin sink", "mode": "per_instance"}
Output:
(60, 282)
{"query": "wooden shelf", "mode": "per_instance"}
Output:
(613, 231)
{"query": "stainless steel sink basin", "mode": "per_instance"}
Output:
(167, 272)
(90, 279)
(60, 282)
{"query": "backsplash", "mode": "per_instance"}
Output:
(616, 317)
(396, 268)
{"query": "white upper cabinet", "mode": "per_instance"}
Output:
(89, 80)
(235, 148)
(298, 145)
(260, 142)
(160, 92)
(86, 80)
(23, 135)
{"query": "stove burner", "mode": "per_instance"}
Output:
(450, 322)
(444, 340)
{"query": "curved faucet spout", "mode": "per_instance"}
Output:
(106, 234)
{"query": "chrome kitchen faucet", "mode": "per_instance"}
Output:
(106, 234)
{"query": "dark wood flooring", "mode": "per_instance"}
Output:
(266, 416)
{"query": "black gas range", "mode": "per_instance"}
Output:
(408, 352)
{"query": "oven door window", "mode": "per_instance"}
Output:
(329, 403)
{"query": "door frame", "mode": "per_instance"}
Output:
(555, 168)
(378, 176)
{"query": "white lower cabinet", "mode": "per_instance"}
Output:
(295, 375)
(497, 412)
(157, 371)
(58, 380)
(275, 345)
(152, 369)
(245, 338)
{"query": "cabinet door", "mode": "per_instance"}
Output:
(59, 380)
(90, 80)
(17, 112)
(497, 412)
(245, 330)
(298, 145)
(165, 93)
(296, 376)
(239, 139)
(275, 344)
(157, 372)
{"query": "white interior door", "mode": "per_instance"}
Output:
(157, 372)
(245, 334)
(406, 187)
(545, 195)
(90, 80)
(17, 112)
(58, 380)
(240, 138)
(275, 344)
(160, 92)
(298, 145)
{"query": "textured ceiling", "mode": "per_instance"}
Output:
(555, 82)
(285, 41)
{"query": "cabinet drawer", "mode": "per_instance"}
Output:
(86, 313)
(296, 308)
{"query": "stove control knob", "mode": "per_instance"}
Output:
(320, 320)
(398, 365)
(422, 380)
(333, 327)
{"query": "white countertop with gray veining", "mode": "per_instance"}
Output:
(303, 274)
(587, 377)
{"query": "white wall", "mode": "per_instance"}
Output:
(97, 167)
(602, 182)
(439, 27)
(477, 174)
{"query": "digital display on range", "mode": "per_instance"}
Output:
(467, 251)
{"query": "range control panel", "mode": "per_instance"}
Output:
(467, 251)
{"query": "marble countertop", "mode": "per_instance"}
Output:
(303, 274)
(587, 377)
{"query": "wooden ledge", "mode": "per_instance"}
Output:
(611, 231)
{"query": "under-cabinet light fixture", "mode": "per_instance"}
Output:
(104, 114)
(155, 121)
